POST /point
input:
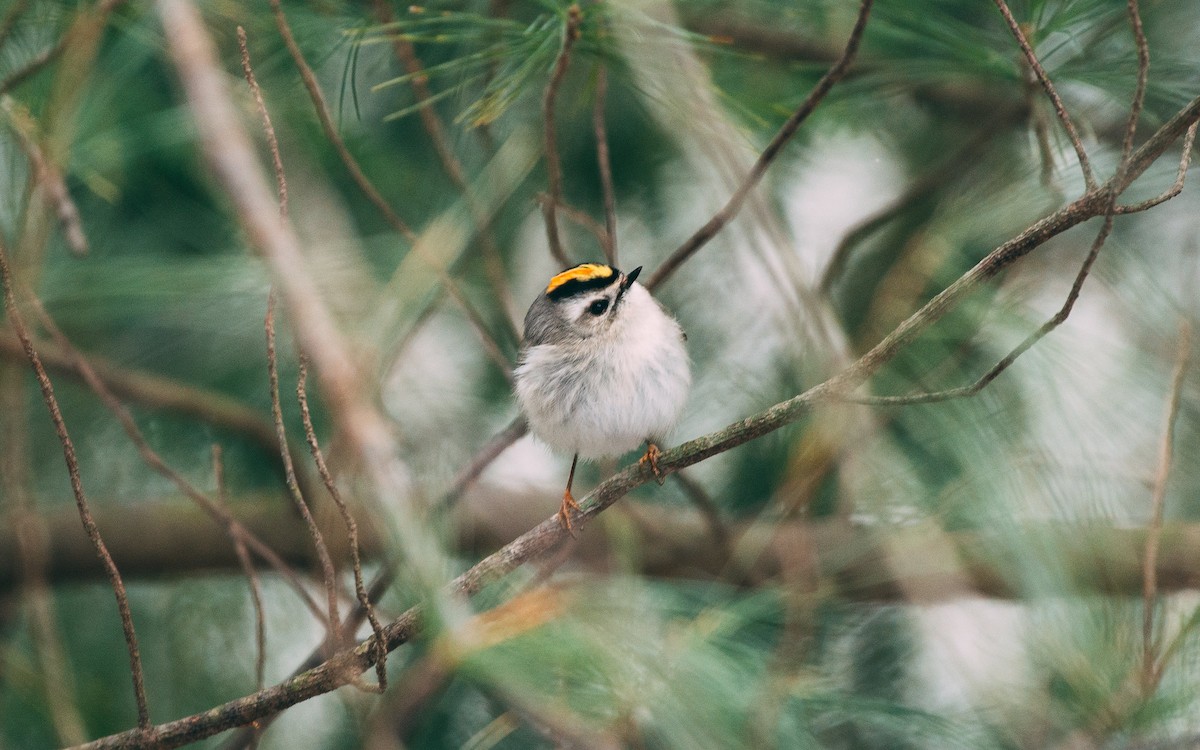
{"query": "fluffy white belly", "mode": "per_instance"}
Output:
(608, 400)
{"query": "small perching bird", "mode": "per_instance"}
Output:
(602, 368)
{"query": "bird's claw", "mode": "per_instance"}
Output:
(564, 511)
(651, 458)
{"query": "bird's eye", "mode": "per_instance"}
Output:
(598, 307)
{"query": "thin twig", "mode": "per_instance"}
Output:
(553, 166)
(768, 156)
(16, 320)
(327, 570)
(243, 555)
(1151, 643)
(364, 601)
(221, 515)
(1143, 75)
(372, 193)
(1139, 92)
(984, 380)
(48, 175)
(281, 434)
(1085, 164)
(582, 219)
(281, 186)
(492, 262)
(330, 129)
(1189, 140)
(268, 127)
(515, 430)
(605, 165)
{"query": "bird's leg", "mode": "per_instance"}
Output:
(651, 457)
(568, 501)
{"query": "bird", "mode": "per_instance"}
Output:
(602, 368)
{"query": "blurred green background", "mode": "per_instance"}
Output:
(961, 574)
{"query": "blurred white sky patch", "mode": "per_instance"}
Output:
(717, 155)
(842, 180)
(318, 722)
(1097, 386)
(974, 655)
(529, 465)
(334, 252)
(432, 394)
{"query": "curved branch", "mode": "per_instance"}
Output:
(768, 156)
(331, 132)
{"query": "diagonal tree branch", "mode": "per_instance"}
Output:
(1135, 109)
(548, 535)
(768, 156)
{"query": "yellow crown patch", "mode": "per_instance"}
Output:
(584, 272)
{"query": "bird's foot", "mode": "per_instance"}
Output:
(651, 458)
(564, 511)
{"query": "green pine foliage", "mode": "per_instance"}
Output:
(948, 575)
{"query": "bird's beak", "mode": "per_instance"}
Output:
(630, 278)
